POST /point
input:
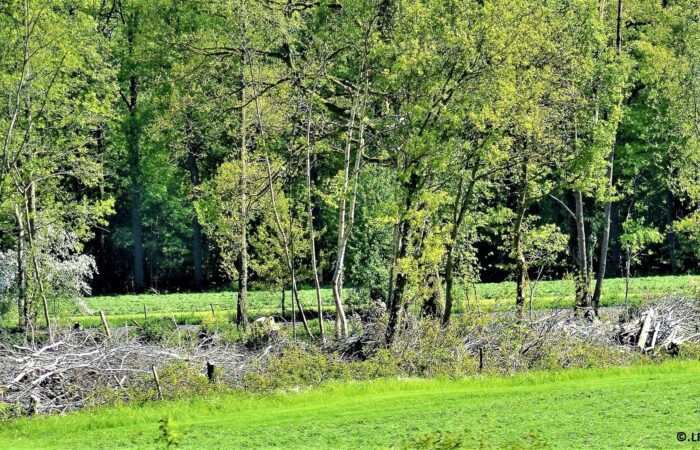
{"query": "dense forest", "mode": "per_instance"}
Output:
(404, 148)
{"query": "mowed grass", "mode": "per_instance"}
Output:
(638, 407)
(561, 292)
(191, 307)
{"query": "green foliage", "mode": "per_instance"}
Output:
(157, 330)
(222, 325)
(170, 436)
(432, 350)
(637, 236)
(178, 380)
(298, 367)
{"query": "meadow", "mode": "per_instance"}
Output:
(190, 308)
(645, 406)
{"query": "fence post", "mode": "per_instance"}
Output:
(105, 325)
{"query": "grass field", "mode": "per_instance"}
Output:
(639, 407)
(190, 307)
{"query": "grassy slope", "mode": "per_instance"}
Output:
(637, 407)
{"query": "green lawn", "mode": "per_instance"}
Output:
(191, 307)
(561, 292)
(640, 407)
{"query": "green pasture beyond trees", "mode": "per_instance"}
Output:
(639, 407)
(191, 307)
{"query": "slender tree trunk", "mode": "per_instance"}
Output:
(346, 215)
(583, 296)
(31, 213)
(401, 277)
(312, 234)
(392, 268)
(602, 262)
(136, 186)
(23, 309)
(288, 254)
(521, 264)
(461, 206)
(628, 267)
(670, 233)
(604, 242)
(242, 307)
(196, 226)
(284, 295)
(294, 319)
(616, 249)
(449, 284)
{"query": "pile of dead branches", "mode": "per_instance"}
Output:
(63, 375)
(666, 324)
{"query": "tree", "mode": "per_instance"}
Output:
(50, 160)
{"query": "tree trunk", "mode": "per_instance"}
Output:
(394, 255)
(242, 306)
(604, 243)
(449, 284)
(583, 296)
(401, 277)
(602, 262)
(284, 295)
(628, 267)
(616, 249)
(312, 234)
(196, 226)
(31, 213)
(346, 216)
(670, 233)
(23, 306)
(136, 186)
(461, 206)
(521, 264)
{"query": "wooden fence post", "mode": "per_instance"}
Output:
(155, 377)
(105, 325)
(211, 371)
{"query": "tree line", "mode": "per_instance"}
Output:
(406, 148)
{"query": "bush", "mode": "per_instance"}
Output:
(573, 353)
(222, 326)
(157, 330)
(178, 379)
(296, 367)
(428, 349)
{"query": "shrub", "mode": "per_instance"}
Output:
(178, 379)
(297, 366)
(428, 349)
(568, 353)
(157, 330)
(222, 326)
